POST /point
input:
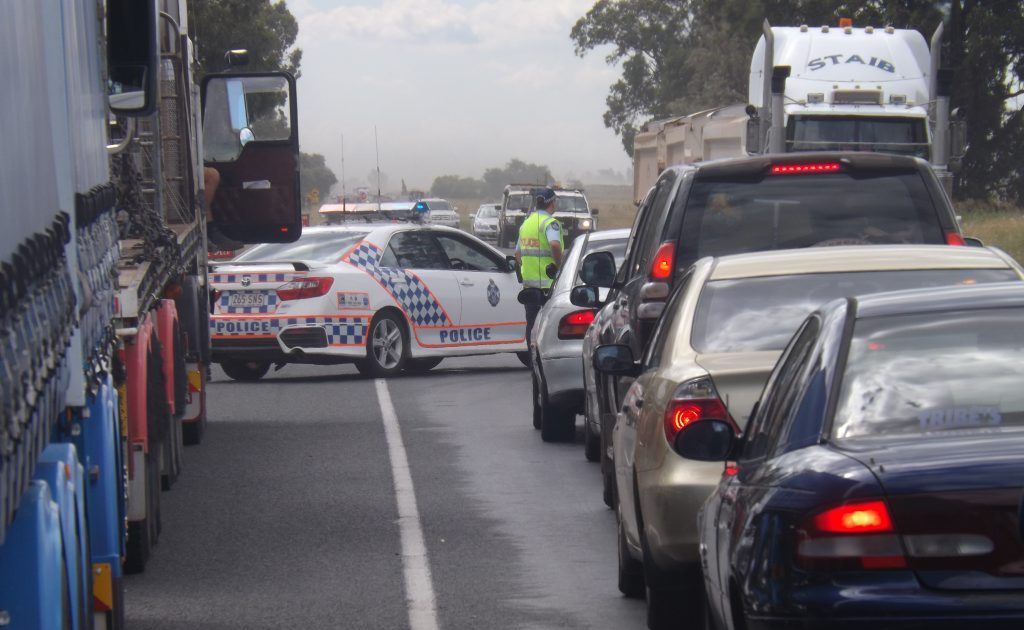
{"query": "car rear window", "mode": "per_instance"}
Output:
(752, 314)
(933, 375)
(725, 217)
(323, 247)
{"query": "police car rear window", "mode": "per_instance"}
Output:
(785, 212)
(322, 247)
(933, 375)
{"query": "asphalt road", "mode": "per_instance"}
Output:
(286, 516)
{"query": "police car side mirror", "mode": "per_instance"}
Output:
(512, 265)
(598, 270)
(585, 297)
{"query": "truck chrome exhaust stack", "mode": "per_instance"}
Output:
(777, 134)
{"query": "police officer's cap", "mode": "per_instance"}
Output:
(545, 196)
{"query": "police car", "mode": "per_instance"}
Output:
(388, 298)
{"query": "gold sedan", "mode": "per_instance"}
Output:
(721, 332)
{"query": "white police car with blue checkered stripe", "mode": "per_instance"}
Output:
(386, 297)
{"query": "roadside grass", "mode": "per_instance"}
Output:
(1000, 225)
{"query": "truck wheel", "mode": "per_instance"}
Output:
(422, 366)
(387, 348)
(138, 542)
(245, 371)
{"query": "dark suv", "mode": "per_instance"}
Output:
(745, 205)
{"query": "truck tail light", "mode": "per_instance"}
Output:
(693, 401)
(854, 536)
(661, 266)
(304, 288)
(575, 324)
(953, 238)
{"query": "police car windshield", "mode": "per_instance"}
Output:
(756, 314)
(570, 204)
(933, 375)
(326, 247)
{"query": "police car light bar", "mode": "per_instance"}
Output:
(800, 169)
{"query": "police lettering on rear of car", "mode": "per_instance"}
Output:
(880, 477)
(386, 297)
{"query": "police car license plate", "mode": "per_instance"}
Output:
(247, 299)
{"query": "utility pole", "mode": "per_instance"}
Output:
(344, 195)
(376, 146)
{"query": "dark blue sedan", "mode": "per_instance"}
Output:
(880, 478)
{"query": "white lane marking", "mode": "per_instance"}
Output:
(419, 588)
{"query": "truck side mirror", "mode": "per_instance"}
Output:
(753, 135)
(133, 56)
(251, 138)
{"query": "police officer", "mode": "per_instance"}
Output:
(539, 250)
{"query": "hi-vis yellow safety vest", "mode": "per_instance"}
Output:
(535, 250)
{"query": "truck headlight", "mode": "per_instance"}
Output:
(585, 224)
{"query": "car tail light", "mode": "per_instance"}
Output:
(575, 324)
(854, 536)
(693, 401)
(304, 288)
(661, 266)
(952, 238)
(801, 169)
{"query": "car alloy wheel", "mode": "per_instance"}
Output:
(387, 344)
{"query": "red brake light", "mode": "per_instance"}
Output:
(661, 266)
(693, 401)
(304, 288)
(575, 324)
(856, 518)
(800, 169)
(952, 238)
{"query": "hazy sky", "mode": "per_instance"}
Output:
(454, 87)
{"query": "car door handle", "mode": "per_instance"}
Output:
(466, 282)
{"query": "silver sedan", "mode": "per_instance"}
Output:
(557, 345)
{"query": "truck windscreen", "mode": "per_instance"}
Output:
(905, 136)
(726, 216)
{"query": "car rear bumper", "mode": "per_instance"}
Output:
(282, 341)
(937, 622)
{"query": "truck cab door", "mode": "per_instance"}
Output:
(251, 138)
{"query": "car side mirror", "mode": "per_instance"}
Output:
(585, 297)
(532, 296)
(971, 241)
(598, 270)
(511, 262)
(594, 211)
(707, 441)
(615, 360)
(472, 215)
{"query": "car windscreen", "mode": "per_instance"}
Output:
(752, 314)
(323, 247)
(729, 216)
(439, 206)
(520, 201)
(933, 375)
(486, 212)
(570, 204)
(888, 134)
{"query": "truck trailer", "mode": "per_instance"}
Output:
(821, 89)
(104, 339)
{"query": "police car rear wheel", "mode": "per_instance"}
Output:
(247, 371)
(387, 350)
